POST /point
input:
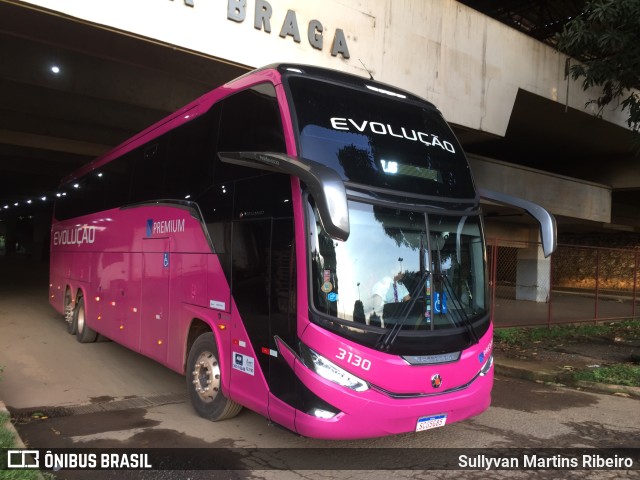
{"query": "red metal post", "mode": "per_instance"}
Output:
(635, 284)
(492, 279)
(550, 290)
(595, 319)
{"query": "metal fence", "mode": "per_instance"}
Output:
(576, 284)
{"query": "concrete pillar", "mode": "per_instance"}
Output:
(3, 238)
(10, 225)
(41, 232)
(533, 274)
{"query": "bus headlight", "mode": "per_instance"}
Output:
(330, 371)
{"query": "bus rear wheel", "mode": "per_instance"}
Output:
(204, 381)
(84, 334)
(69, 312)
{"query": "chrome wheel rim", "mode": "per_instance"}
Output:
(68, 308)
(80, 317)
(206, 377)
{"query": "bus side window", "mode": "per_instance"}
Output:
(251, 122)
(190, 157)
(216, 205)
(94, 192)
(117, 181)
(148, 171)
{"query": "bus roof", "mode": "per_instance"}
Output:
(273, 73)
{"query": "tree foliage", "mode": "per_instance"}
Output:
(605, 37)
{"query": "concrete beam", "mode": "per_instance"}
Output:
(52, 143)
(560, 195)
(468, 64)
(621, 173)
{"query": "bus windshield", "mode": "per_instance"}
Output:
(379, 140)
(403, 268)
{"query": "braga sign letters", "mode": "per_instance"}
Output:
(237, 12)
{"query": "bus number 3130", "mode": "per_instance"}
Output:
(355, 360)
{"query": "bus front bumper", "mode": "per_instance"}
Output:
(372, 413)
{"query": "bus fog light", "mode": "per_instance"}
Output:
(330, 371)
(319, 413)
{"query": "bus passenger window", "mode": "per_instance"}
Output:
(251, 122)
(148, 172)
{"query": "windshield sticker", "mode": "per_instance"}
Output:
(243, 363)
(440, 302)
(350, 125)
(327, 287)
(332, 297)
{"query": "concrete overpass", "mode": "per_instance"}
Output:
(123, 65)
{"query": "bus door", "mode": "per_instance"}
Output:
(262, 282)
(154, 305)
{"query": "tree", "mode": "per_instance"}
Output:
(605, 37)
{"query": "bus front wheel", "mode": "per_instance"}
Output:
(204, 381)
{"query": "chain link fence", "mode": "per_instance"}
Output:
(575, 284)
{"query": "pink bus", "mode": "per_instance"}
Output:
(301, 242)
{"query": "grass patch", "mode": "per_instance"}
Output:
(626, 330)
(7, 440)
(619, 374)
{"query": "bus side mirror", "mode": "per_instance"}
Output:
(324, 183)
(548, 229)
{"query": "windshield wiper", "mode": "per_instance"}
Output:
(463, 318)
(459, 308)
(388, 338)
(386, 341)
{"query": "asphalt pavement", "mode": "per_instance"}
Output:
(31, 332)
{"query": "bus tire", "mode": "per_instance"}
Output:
(69, 313)
(204, 381)
(84, 334)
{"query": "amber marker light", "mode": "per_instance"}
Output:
(222, 326)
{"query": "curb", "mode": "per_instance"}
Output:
(17, 440)
(560, 378)
(9, 426)
(524, 373)
(607, 388)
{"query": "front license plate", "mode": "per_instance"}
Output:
(434, 421)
